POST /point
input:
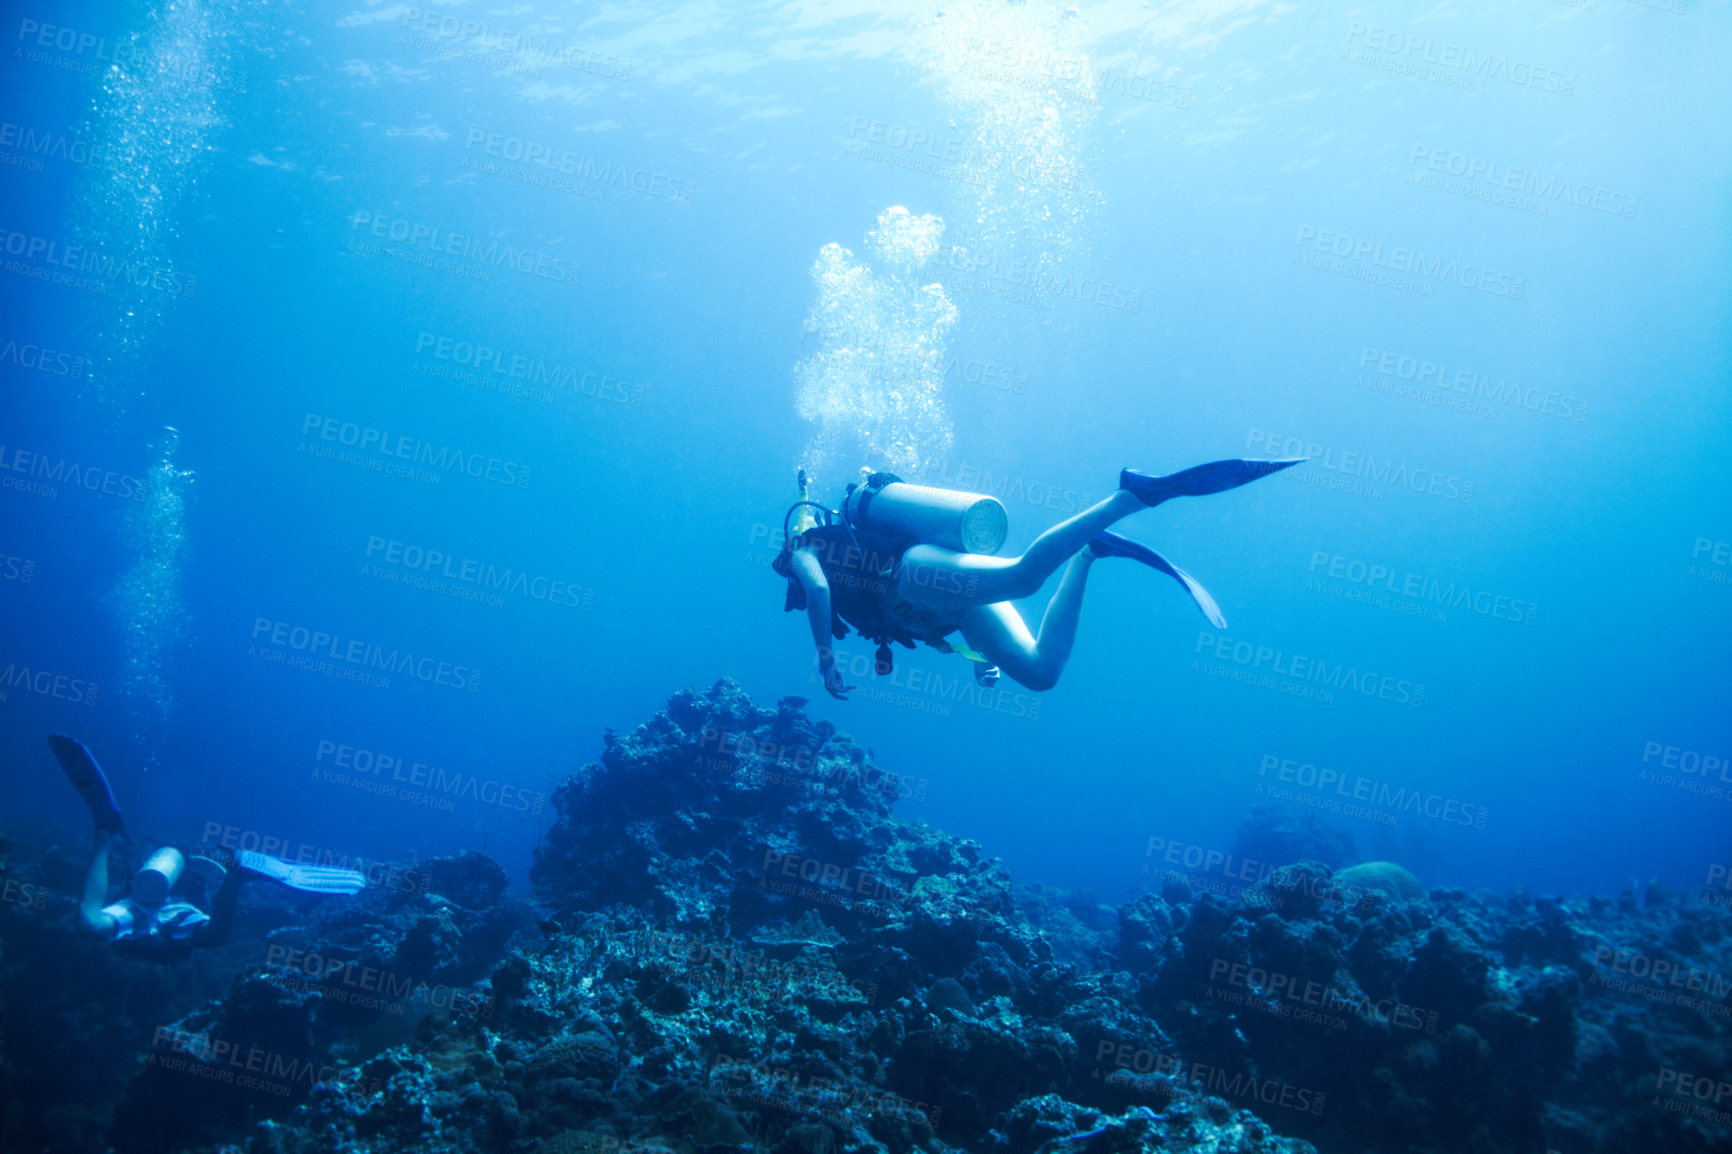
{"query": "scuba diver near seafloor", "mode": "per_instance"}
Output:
(911, 564)
(147, 919)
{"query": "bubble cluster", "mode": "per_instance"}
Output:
(147, 600)
(160, 107)
(1012, 78)
(905, 241)
(874, 385)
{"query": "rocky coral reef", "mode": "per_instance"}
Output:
(747, 950)
(350, 969)
(1454, 1022)
(744, 949)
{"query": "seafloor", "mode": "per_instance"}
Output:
(734, 945)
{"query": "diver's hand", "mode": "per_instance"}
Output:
(833, 680)
(987, 675)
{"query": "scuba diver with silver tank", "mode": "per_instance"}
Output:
(911, 564)
(144, 920)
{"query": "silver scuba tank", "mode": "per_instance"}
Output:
(961, 522)
(153, 882)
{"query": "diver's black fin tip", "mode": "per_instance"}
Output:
(90, 782)
(1199, 480)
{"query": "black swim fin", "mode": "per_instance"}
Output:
(87, 778)
(1201, 480)
(1107, 544)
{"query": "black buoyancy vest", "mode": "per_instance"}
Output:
(861, 569)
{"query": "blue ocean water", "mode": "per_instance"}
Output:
(491, 338)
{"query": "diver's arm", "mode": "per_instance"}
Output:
(90, 916)
(810, 574)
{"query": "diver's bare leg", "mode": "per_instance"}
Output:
(90, 915)
(215, 932)
(943, 579)
(998, 631)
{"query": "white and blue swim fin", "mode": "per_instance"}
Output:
(88, 779)
(306, 878)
